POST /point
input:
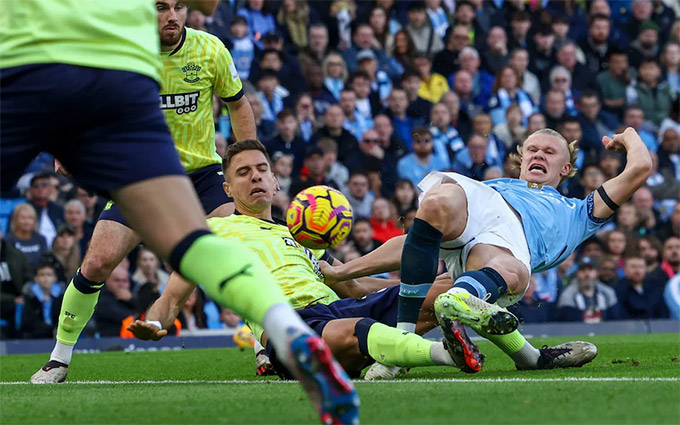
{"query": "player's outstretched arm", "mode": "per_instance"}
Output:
(357, 288)
(638, 168)
(242, 119)
(164, 310)
(386, 258)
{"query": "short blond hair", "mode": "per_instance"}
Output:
(18, 209)
(516, 158)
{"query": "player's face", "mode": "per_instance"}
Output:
(172, 15)
(251, 182)
(545, 160)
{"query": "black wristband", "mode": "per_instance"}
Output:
(607, 200)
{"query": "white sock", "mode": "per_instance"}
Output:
(62, 353)
(407, 326)
(527, 356)
(282, 324)
(440, 355)
(257, 347)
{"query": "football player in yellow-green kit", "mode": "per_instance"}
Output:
(96, 78)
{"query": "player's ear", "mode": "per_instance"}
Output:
(566, 169)
(227, 188)
(278, 186)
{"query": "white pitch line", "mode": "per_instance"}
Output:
(395, 381)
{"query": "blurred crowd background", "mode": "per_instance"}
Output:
(370, 96)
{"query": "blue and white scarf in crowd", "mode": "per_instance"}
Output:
(443, 141)
(242, 53)
(55, 292)
(306, 130)
(382, 85)
(334, 86)
(504, 101)
(271, 109)
(570, 103)
(359, 126)
(439, 20)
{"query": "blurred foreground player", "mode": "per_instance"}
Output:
(493, 235)
(92, 84)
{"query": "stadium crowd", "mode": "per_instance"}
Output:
(340, 88)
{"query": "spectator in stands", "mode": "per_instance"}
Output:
(333, 127)
(362, 236)
(495, 148)
(259, 20)
(93, 204)
(505, 92)
(567, 57)
(149, 274)
(370, 154)
(609, 270)
(115, 303)
(313, 172)
(519, 62)
(242, 47)
(304, 111)
(495, 56)
(595, 122)
(617, 245)
(670, 262)
(287, 71)
(321, 96)
(447, 61)
(367, 103)
(23, 235)
(639, 298)
(272, 95)
(15, 272)
(554, 107)
(460, 119)
(335, 73)
(512, 132)
(614, 80)
(596, 45)
(530, 308)
(405, 197)
(49, 214)
(560, 79)
(283, 170)
(384, 227)
(610, 164)
(354, 121)
(445, 138)
(635, 117)
(422, 160)
(401, 58)
(471, 162)
(317, 48)
(439, 16)
(482, 81)
(669, 153)
(359, 196)
(646, 45)
(42, 302)
(520, 23)
(384, 40)
(536, 122)
(336, 172)
(266, 129)
(293, 19)
(424, 36)
(192, 317)
(403, 124)
(380, 82)
(672, 297)
(561, 28)
(74, 213)
(418, 108)
(650, 249)
(651, 94)
(587, 299)
(463, 87)
(542, 51)
(591, 178)
(363, 38)
(670, 65)
(66, 250)
(287, 141)
(432, 86)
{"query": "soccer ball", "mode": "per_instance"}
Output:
(243, 337)
(319, 217)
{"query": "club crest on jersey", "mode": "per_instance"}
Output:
(534, 185)
(182, 103)
(191, 71)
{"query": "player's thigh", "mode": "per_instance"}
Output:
(27, 119)
(445, 207)
(111, 242)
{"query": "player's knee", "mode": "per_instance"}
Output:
(514, 273)
(98, 266)
(440, 206)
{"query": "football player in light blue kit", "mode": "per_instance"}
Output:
(493, 235)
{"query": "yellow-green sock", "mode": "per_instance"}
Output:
(394, 347)
(77, 308)
(517, 347)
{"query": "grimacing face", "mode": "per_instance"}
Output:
(250, 181)
(545, 160)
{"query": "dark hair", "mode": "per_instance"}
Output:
(268, 51)
(590, 93)
(655, 243)
(44, 263)
(357, 173)
(464, 3)
(358, 74)
(567, 120)
(362, 220)
(416, 6)
(267, 73)
(285, 113)
(521, 15)
(598, 17)
(242, 146)
(420, 130)
(238, 20)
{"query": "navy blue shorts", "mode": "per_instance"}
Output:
(380, 306)
(105, 126)
(208, 184)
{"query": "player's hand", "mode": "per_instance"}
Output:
(59, 168)
(621, 141)
(146, 331)
(331, 274)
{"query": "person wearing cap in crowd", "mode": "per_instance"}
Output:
(646, 45)
(380, 82)
(50, 214)
(313, 172)
(587, 299)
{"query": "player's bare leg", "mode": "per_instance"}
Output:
(110, 243)
(177, 231)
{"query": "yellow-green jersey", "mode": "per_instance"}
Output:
(199, 66)
(119, 34)
(295, 267)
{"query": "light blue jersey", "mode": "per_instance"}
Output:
(554, 225)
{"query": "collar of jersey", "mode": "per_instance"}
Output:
(275, 221)
(181, 42)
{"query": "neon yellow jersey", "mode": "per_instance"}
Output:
(119, 34)
(197, 67)
(295, 267)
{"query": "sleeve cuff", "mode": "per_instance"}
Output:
(233, 98)
(589, 206)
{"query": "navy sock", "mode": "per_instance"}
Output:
(419, 262)
(361, 332)
(182, 247)
(84, 285)
(485, 283)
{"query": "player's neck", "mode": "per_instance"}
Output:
(266, 214)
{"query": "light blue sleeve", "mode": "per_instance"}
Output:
(672, 297)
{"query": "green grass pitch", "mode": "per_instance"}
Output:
(634, 379)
